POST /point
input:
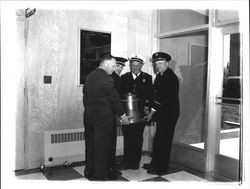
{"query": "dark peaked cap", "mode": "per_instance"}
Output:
(161, 56)
(120, 60)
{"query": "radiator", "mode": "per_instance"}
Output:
(63, 146)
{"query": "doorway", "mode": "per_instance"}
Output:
(225, 106)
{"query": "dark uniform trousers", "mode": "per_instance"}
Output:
(113, 146)
(89, 150)
(163, 142)
(99, 148)
(102, 103)
(117, 84)
(133, 140)
(166, 104)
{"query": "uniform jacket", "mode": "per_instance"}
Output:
(117, 82)
(102, 100)
(142, 86)
(166, 94)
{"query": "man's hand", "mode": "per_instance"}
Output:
(149, 116)
(124, 120)
(146, 110)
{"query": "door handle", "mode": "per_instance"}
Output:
(232, 101)
(227, 98)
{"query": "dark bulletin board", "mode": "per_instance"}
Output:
(93, 45)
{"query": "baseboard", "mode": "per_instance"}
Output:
(20, 172)
(47, 169)
(74, 164)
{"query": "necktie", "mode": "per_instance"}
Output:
(136, 75)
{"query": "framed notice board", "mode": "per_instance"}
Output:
(92, 45)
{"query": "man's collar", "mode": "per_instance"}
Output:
(135, 76)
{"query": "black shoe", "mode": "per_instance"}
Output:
(157, 172)
(113, 176)
(100, 179)
(147, 166)
(115, 171)
(134, 167)
(88, 176)
(125, 166)
(163, 172)
(106, 178)
(153, 172)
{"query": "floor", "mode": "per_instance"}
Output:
(229, 145)
(176, 173)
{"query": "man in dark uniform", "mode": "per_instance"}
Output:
(139, 83)
(166, 110)
(102, 103)
(120, 63)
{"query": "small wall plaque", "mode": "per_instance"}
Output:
(47, 79)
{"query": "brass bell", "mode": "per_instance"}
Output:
(133, 108)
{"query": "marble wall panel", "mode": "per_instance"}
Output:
(52, 50)
(20, 120)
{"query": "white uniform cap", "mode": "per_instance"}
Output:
(137, 57)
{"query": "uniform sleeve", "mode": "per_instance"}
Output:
(150, 92)
(170, 93)
(150, 89)
(154, 104)
(84, 91)
(113, 97)
(124, 88)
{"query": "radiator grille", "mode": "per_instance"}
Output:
(69, 145)
(73, 136)
(67, 137)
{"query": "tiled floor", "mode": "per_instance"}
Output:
(176, 173)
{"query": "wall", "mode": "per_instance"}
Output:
(52, 49)
(224, 15)
(177, 19)
(20, 107)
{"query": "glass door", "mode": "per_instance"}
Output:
(227, 159)
(225, 123)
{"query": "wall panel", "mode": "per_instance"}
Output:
(52, 50)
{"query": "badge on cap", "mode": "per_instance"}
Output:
(137, 57)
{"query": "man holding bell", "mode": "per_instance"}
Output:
(140, 84)
(165, 110)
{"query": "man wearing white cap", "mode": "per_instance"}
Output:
(139, 83)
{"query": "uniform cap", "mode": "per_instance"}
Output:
(160, 56)
(120, 60)
(138, 58)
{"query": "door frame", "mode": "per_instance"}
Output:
(215, 162)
